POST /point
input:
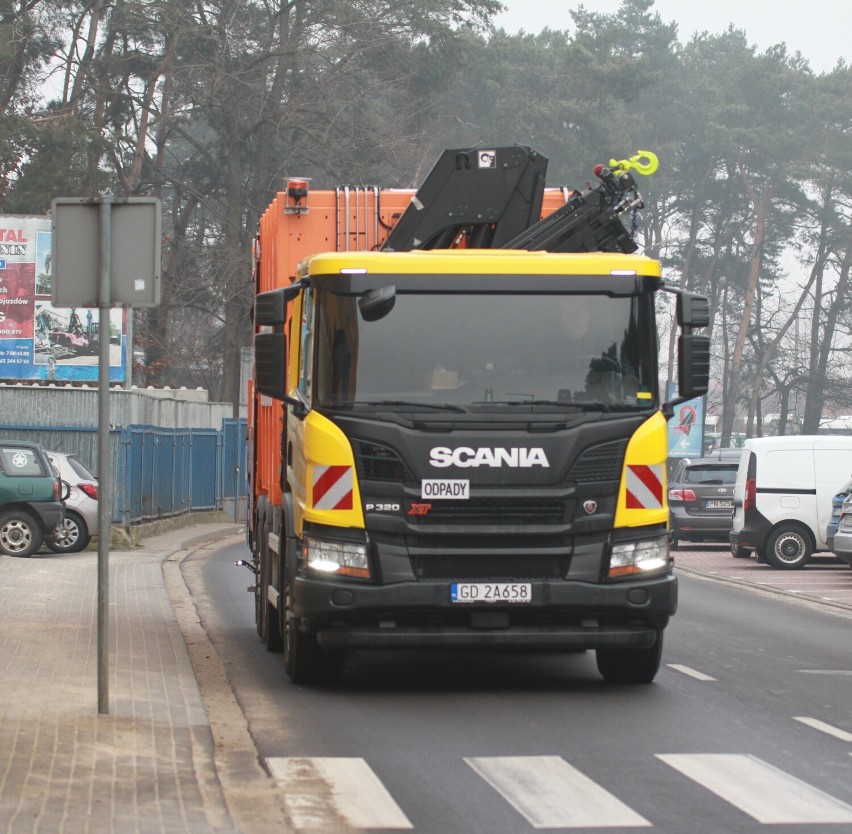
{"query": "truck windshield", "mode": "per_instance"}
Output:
(483, 351)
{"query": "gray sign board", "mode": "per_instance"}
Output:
(134, 235)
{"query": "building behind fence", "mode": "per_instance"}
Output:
(172, 452)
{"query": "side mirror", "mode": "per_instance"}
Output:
(692, 310)
(376, 304)
(693, 365)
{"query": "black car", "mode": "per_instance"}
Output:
(701, 498)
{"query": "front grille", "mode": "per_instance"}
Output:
(502, 511)
(375, 462)
(490, 566)
(599, 463)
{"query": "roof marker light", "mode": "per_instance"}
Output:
(630, 272)
(353, 270)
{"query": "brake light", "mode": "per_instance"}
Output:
(90, 489)
(681, 495)
(749, 500)
(56, 490)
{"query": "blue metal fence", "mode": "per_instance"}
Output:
(158, 472)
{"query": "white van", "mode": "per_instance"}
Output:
(782, 496)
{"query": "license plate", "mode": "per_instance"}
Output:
(489, 592)
(719, 504)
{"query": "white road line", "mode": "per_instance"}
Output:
(550, 793)
(320, 792)
(760, 790)
(693, 673)
(825, 728)
(838, 672)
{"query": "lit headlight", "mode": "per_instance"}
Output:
(631, 558)
(342, 558)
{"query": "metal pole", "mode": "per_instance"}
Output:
(104, 469)
(128, 342)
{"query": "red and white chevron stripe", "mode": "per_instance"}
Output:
(332, 488)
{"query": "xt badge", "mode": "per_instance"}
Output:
(590, 506)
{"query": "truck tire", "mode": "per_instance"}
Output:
(268, 623)
(20, 533)
(630, 665)
(305, 661)
(788, 547)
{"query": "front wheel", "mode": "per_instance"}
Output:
(305, 661)
(789, 547)
(631, 665)
(20, 534)
(74, 538)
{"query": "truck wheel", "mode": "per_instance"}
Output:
(268, 619)
(630, 665)
(788, 547)
(76, 535)
(20, 534)
(305, 661)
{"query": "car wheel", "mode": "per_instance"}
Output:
(789, 547)
(740, 552)
(20, 534)
(674, 543)
(76, 535)
(630, 665)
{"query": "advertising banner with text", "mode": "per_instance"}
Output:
(37, 340)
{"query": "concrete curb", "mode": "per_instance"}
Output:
(252, 797)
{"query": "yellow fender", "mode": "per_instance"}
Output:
(636, 163)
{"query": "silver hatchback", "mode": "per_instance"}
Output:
(81, 505)
(843, 537)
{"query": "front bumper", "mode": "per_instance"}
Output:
(563, 615)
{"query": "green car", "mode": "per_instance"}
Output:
(31, 505)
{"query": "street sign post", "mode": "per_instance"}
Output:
(105, 253)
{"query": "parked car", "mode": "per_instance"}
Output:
(31, 508)
(782, 496)
(81, 506)
(836, 509)
(843, 537)
(701, 493)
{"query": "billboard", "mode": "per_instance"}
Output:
(37, 340)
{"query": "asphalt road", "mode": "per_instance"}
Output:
(748, 724)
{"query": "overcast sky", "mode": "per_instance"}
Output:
(820, 29)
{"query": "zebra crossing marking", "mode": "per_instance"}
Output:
(327, 794)
(550, 793)
(320, 792)
(764, 792)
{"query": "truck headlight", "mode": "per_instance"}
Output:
(639, 557)
(341, 558)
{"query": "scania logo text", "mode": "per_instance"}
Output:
(464, 456)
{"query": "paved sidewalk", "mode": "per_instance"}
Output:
(153, 763)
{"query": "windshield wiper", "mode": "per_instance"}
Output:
(408, 404)
(557, 403)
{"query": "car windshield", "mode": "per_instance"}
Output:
(711, 474)
(475, 352)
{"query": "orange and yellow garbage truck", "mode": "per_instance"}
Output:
(456, 432)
